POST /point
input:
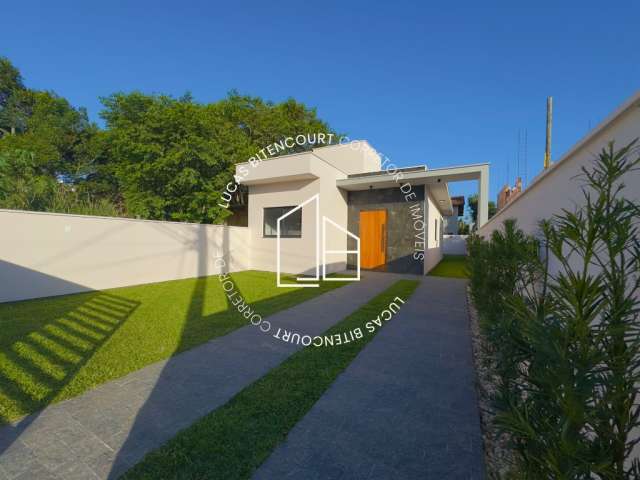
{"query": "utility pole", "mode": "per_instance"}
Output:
(526, 155)
(547, 150)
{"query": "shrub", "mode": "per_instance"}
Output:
(25, 185)
(66, 199)
(566, 339)
(501, 268)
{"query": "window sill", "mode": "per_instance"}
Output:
(282, 236)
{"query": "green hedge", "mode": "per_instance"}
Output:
(565, 341)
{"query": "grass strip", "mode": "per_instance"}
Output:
(232, 441)
(451, 266)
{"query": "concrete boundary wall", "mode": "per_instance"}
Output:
(560, 186)
(454, 244)
(46, 254)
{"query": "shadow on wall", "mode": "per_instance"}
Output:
(39, 360)
(405, 264)
(15, 280)
(156, 415)
(454, 244)
(98, 253)
(432, 257)
(335, 267)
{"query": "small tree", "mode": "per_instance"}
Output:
(472, 205)
(463, 228)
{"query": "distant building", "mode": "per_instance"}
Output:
(508, 194)
(451, 221)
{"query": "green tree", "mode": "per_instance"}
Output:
(173, 157)
(13, 109)
(472, 205)
(263, 123)
(159, 157)
(53, 141)
(463, 228)
(59, 135)
(169, 156)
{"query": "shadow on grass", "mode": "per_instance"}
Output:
(36, 368)
(157, 420)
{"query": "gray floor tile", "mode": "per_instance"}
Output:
(406, 406)
(105, 431)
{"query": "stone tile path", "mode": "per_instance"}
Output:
(102, 433)
(405, 408)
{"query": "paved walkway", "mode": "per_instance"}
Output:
(404, 409)
(103, 432)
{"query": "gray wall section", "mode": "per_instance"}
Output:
(401, 235)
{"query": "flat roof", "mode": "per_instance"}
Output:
(437, 180)
(418, 168)
(436, 175)
(310, 150)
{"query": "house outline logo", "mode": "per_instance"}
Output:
(325, 222)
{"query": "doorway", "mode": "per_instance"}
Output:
(373, 238)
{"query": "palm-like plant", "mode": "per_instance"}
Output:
(569, 333)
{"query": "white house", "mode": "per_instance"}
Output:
(397, 215)
(396, 212)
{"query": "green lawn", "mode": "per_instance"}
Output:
(55, 348)
(452, 266)
(234, 440)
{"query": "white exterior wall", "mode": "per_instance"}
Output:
(451, 224)
(298, 255)
(433, 252)
(558, 188)
(454, 244)
(46, 254)
(355, 157)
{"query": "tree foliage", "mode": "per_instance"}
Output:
(472, 205)
(23, 184)
(159, 157)
(173, 157)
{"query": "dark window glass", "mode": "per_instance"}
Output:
(290, 226)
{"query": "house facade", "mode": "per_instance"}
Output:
(397, 213)
(451, 221)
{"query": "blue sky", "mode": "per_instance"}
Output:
(441, 84)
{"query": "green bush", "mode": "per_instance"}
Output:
(500, 269)
(564, 331)
(66, 199)
(23, 185)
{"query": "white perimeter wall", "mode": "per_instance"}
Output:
(454, 244)
(558, 188)
(433, 252)
(45, 254)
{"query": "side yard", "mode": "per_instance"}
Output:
(451, 266)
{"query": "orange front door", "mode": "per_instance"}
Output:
(373, 238)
